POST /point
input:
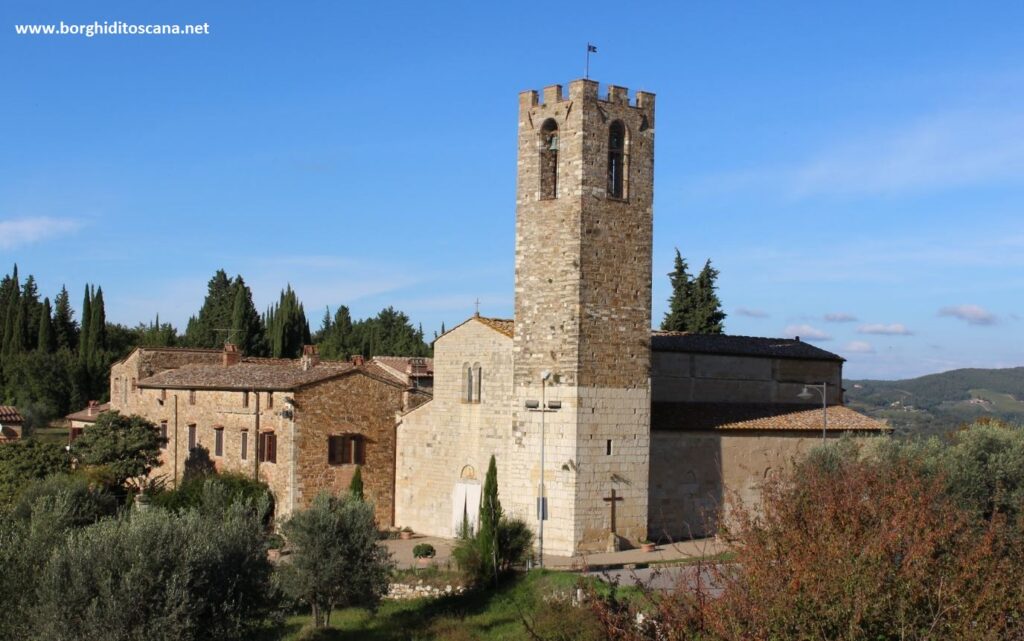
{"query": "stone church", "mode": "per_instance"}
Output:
(636, 433)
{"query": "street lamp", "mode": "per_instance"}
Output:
(542, 500)
(823, 390)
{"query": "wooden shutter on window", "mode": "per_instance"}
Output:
(358, 450)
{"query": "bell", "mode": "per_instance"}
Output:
(554, 144)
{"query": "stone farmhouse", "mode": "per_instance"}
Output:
(11, 423)
(614, 432)
(300, 425)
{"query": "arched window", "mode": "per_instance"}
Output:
(617, 166)
(549, 159)
(467, 383)
(477, 378)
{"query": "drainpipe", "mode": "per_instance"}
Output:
(294, 465)
(176, 441)
(256, 440)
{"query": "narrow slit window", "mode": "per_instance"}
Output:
(163, 434)
(192, 436)
(617, 160)
(549, 159)
(477, 382)
(245, 399)
(245, 446)
(608, 447)
(218, 441)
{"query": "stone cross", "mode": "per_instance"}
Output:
(477, 304)
(612, 500)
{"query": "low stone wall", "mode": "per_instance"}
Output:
(421, 590)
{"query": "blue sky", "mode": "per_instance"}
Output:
(856, 170)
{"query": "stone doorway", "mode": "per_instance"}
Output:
(466, 502)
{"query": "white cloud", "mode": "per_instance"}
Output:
(859, 347)
(840, 317)
(937, 152)
(25, 231)
(751, 313)
(892, 329)
(971, 314)
(806, 332)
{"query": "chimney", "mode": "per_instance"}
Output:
(92, 407)
(231, 355)
(357, 359)
(310, 357)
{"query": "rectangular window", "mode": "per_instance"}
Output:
(163, 434)
(245, 445)
(270, 400)
(346, 449)
(192, 436)
(218, 441)
(245, 399)
(608, 448)
(268, 447)
(191, 397)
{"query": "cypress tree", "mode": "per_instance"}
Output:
(45, 342)
(676, 319)
(490, 516)
(83, 338)
(247, 329)
(355, 488)
(287, 326)
(706, 315)
(215, 314)
(65, 329)
(17, 343)
(97, 325)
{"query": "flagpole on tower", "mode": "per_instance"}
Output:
(590, 49)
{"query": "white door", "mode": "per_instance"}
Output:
(465, 506)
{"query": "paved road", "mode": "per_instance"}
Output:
(667, 578)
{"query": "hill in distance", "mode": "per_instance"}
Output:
(937, 404)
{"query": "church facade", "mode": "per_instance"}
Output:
(614, 432)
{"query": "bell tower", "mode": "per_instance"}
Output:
(584, 221)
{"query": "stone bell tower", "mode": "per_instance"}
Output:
(584, 223)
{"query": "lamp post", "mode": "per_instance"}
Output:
(823, 390)
(542, 501)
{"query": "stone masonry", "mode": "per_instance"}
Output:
(583, 311)
(173, 388)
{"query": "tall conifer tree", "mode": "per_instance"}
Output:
(676, 319)
(45, 341)
(490, 516)
(706, 315)
(65, 329)
(83, 338)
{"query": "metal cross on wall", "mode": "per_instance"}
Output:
(613, 499)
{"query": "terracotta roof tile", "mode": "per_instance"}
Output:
(402, 364)
(754, 416)
(250, 374)
(503, 325)
(85, 415)
(10, 414)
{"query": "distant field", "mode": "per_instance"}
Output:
(940, 403)
(51, 434)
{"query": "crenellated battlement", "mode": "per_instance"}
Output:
(584, 89)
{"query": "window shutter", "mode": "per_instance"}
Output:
(359, 450)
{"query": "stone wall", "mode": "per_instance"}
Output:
(448, 440)
(692, 474)
(354, 403)
(716, 378)
(351, 404)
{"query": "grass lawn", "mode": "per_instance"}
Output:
(491, 615)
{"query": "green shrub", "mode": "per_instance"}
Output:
(514, 543)
(87, 503)
(24, 461)
(336, 559)
(424, 551)
(213, 494)
(157, 575)
(128, 445)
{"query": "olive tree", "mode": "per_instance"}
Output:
(337, 560)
